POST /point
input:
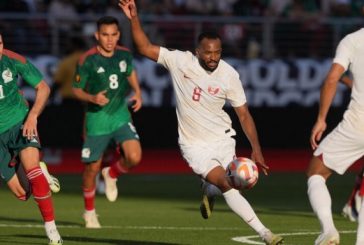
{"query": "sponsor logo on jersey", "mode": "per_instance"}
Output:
(122, 66)
(7, 76)
(213, 90)
(101, 70)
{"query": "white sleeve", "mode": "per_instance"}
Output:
(168, 58)
(344, 52)
(235, 93)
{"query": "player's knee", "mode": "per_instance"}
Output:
(317, 167)
(133, 159)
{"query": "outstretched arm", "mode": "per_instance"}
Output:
(143, 44)
(328, 92)
(248, 126)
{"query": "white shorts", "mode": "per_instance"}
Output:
(203, 158)
(344, 145)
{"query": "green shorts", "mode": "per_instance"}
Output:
(94, 146)
(11, 143)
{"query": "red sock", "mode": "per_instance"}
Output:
(41, 193)
(89, 198)
(117, 169)
(361, 192)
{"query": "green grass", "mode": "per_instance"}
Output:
(155, 209)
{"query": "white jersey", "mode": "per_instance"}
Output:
(200, 97)
(350, 54)
(345, 144)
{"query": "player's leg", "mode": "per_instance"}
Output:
(240, 205)
(132, 156)
(29, 157)
(92, 153)
(130, 146)
(320, 200)
(209, 193)
(89, 189)
(352, 206)
(360, 231)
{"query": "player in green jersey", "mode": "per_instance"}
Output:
(19, 134)
(104, 77)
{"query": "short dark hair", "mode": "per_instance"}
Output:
(107, 20)
(208, 35)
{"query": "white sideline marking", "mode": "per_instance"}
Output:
(241, 239)
(246, 239)
(125, 227)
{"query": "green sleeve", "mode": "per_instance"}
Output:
(29, 73)
(81, 76)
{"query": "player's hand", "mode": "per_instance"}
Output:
(100, 98)
(137, 102)
(258, 158)
(316, 133)
(129, 8)
(30, 127)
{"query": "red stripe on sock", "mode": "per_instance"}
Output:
(89, 198)
(117, 169)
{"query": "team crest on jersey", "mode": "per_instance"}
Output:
(122, 66)
(213, 90)
(7, 76)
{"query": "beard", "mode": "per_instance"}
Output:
(206, 67)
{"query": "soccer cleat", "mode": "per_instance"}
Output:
(111, 190)
(350, 213)
(52, 181)
(206, 206)
(55, 242)
(91, 220)
(270, 238)
(331, 238)
(207, 202)
(53, 236)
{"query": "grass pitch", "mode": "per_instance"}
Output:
(164, 209)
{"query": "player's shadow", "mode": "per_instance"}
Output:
(89, 240)
(37, 221)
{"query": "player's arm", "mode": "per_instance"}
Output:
(99, 98)
(248, 126)
(42, 91)
(327, 94)
(143, 44)
(347, 81)
(136, 98)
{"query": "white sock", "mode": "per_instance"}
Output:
(241, 207)
(320, 200)
(90, 211)
(51, 230)
(360, 232)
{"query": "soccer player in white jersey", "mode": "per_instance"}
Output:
(202, 84)
(345, 144)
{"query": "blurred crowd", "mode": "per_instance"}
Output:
(285, 8)
(63, 19)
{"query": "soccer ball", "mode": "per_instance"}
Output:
(242, 173)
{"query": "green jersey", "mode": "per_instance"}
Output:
(13, 106)
(96, 73)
